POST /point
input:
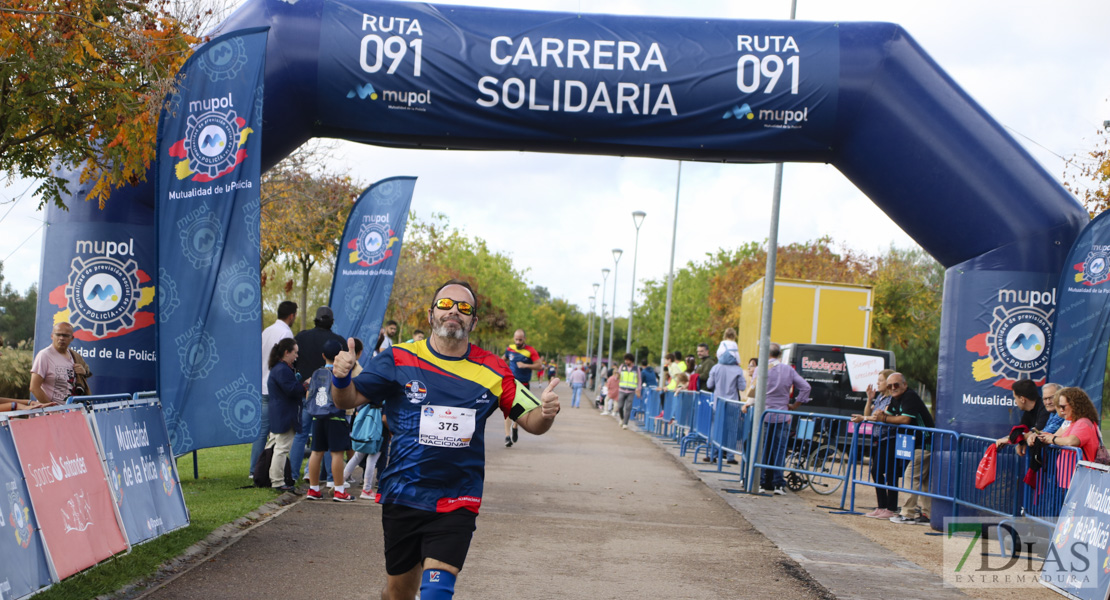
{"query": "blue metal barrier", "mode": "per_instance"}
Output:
(807, 448)
(683, 415)
(1003, 497)
(729, 432)
(652, 408)
(91, 400)
(1043, 501)
(700, 423)
(905, 459)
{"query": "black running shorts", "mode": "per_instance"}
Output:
(411, 535)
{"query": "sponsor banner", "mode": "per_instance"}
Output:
(21, 550)
(102, 278)
(997, 329)
(209, 151)
(461, 73)
(368, 255)
(141, 470)
(1083, 321)
(68, 490)
(1077, 562)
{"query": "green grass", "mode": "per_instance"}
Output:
(213, 500)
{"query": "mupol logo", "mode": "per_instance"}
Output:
(392, 97)
(363, 92)
(740, 112)
(1025, 343)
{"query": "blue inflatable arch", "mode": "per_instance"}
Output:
(864, 97)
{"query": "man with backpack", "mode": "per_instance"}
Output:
(329, 428)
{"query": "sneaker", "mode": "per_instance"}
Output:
(624, 425)
(706, 458)
(873, 514)
(514, 435)
(289, 489)
(732, 461)
(342, 497)
(508, 442)
(604, 413)
(312, 494)
(763, 490)
(901, 520)
(366, 495)
(921, 520)
(780, 491)
(881, 513)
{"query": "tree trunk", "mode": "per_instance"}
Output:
(306, 268)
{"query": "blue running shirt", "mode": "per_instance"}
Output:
(436, 408)
(526, 354)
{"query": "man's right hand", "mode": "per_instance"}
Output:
(344, 361)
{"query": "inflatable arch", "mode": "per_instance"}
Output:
(864, 97)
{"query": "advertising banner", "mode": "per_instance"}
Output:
(459, 72)
(101, 278)
(208, 210)
(1002, 323)
(141, 469)
(1083, 321)
(68, 490)
(1077, 562)
(21, 550)
(367, 260)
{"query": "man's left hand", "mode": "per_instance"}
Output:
(549, 400)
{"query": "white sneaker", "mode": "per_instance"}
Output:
(764, 490)
(604, 413)
(624, 425)
(366, 495)
(780, 491)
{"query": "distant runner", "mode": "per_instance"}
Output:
(522, 359)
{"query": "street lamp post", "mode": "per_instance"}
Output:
(637, 220)
(601, 326)
(590, 335)
(613, 321)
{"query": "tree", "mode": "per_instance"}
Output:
(1088, 176)
(82, 82)
(17, 313)
(905, 314)
(303, 214)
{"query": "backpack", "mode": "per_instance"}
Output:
(262, 469)
(366, 432)
(318, 400)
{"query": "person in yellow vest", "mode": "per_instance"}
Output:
(629, 387)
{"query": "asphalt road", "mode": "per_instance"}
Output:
(586, 511)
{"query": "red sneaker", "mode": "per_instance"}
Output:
(342, 497)
(312, 494)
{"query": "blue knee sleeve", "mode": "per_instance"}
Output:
(437, 584)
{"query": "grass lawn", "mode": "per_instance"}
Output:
(213, 500)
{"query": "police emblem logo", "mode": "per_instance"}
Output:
(416, 391)
(1018, 341)
(429, 412)
(102, 294)
(1096, 268)
(198, 355)
(19, 517)
(211, 142)
(168, 299)
(202, 240)
(241, 412)
(372, 242)
(224, 60)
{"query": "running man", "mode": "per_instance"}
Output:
(522, 359)
(437, 395)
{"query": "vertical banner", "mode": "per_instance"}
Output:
(1076, 561)
(68, 490)
(141, 469)
(102, 277)
(1002, 325)
(207, 213)
(368, 254)
(21, 550)
(1083, 323)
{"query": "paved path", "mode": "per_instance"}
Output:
(585, 511)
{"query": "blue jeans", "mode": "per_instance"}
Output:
(263, 432)
(576, 397)
(297, 452)
(774, 453)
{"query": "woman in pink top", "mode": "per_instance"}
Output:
(1083, 431)
(612, 388)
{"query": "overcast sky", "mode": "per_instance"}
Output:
(1042, 71)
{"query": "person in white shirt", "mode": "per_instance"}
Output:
(286, 314)
(390, 332)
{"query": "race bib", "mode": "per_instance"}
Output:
(446, 426)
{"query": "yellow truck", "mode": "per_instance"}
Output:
(806, 312)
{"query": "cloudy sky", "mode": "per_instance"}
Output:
(1043, 73)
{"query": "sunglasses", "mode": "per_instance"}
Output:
(894, 385)
(465, 308)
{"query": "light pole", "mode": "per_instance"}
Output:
(613, 321)
(637, 220)
(601, 326)
(590, 335)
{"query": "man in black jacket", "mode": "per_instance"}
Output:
(310, 351)
(907, 408)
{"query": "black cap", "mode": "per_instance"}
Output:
(331, 349)
(324, 313)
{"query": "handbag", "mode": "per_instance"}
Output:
(1102, 455)
(985, 474)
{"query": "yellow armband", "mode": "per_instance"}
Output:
(523, 402)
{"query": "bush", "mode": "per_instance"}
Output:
(15, 371)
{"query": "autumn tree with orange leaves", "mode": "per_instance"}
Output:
(1088, 175)
(82, 82)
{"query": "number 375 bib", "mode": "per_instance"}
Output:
(446, 426)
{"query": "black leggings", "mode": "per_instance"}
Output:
(884, 471)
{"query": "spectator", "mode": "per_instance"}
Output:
(577, 380)
(286, 393)
(883, 463)
(1055, 416)
(725, 380)
(781, 378)
(749, 392)
(417, 335)
(648, 375)
(1033, 418)
(906, 408)
(329, 429)
(1082, 433)
(612, 390)
(728, 345)
(310, 343)
(286, 314)
(57, 370)
(389, 332)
